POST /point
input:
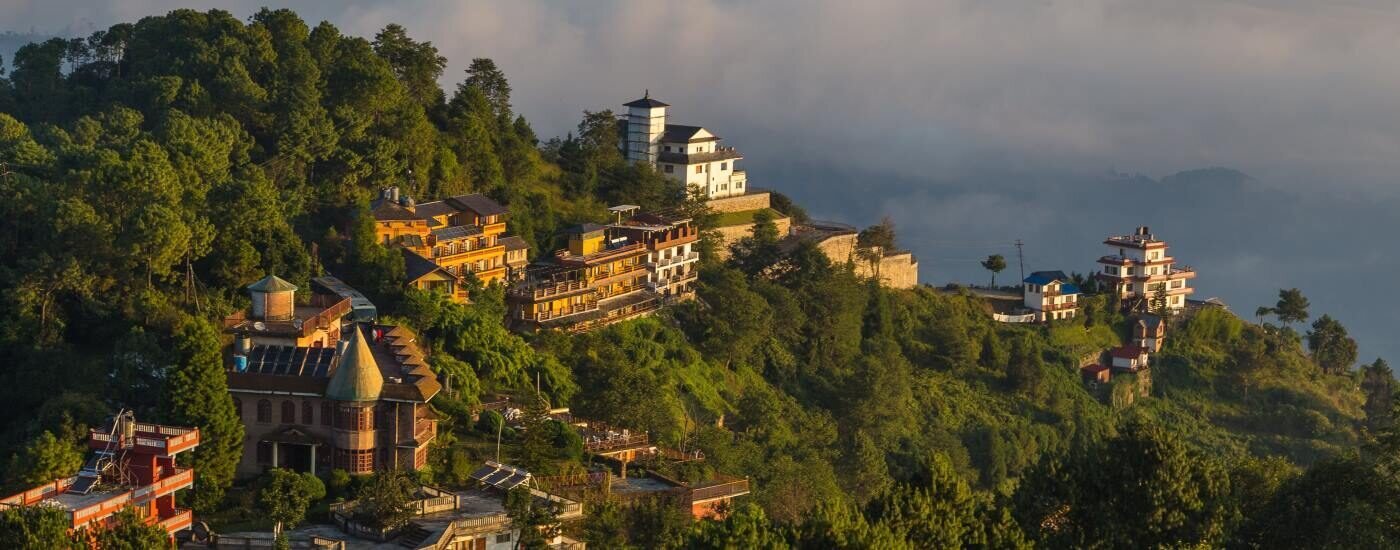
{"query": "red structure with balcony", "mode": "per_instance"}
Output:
(132, 465)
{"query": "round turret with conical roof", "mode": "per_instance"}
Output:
(355, 387)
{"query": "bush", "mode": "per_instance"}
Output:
(488, 422)
(339, 483)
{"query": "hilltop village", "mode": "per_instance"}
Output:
(321, 385)
(264, 284)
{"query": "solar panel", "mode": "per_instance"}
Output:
(456, 232)
(290, 361)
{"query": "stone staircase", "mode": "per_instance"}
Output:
(413, 535)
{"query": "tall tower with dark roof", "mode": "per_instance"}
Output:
(646, 121)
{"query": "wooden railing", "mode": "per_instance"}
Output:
(608, 444)
(547, 291)
(565, 312)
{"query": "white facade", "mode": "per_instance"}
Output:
(1129, 358)
(672, 268)
(1050, 296)
(645, 124)
(1139, 269)
(690, 154)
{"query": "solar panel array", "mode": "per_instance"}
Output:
(501, 476)
(293, 361)
(456, 232)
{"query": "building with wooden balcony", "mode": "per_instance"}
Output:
(601, 278)
(673, 254)
(1050, 296)
(1143, 275)
(359, 403)
(459, 235)
(131, 465)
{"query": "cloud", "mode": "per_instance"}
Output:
(936, 88)
(976, 121)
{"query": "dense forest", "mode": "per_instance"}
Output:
(152, 170)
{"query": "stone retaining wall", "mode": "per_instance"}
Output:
(740, 203)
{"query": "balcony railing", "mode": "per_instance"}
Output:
(675, 260)
(559, 314)
(178, 522)
(722, 490)
(674, 280)
(547, 291)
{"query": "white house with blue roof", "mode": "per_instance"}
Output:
(1051, 296)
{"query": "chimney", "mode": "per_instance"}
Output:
(394, 193)
(1142, 231)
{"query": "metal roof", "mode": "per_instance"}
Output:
(272, 283)
(358, 377)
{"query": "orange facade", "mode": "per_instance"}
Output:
(460, 235)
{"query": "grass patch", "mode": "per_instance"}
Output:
(743, 217)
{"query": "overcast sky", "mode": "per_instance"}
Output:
(977, 121)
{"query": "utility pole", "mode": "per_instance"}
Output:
(1021, 258)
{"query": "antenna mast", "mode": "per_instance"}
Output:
(1021, 258)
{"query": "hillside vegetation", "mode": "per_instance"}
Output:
(157, 167)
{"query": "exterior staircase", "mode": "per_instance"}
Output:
(413, 535)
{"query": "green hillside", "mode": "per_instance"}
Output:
(157, 167)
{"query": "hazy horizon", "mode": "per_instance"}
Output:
(972, 124)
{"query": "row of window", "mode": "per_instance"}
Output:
(699, 168)
(350, 418)
(465, 245)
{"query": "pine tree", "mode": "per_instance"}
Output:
(1378, 383)
(129, 531)
(536, 447)
(37, 527)
(43, 460)
(196, 394)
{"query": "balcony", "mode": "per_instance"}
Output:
(675, 260)
(178, 522)
(559, 314)
(1060, 306)
(557, 289)
(674, 280)
(727, 489)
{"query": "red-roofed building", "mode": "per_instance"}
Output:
(132, 466)
(1128, 358)
(1096, 373)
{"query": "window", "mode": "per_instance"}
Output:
(668, 168)
(700, 169)
(264, 452)
(289, 412)
(723, 166)
(265, 411)
(307, 413)
(238, 408)
(503, 537)
(355, 418)
(325, 413)
(355, 461)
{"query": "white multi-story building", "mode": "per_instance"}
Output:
(690, 154)
(1143, 274)
(1051, 295)
(673, 254)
